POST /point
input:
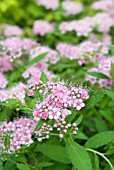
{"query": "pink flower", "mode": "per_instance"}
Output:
(30, 93)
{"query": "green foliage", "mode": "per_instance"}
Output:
(43, 78)
(112, 71)
(23, 167)
(54, 152)
(98, 75)
(78, 156)
(100, 139)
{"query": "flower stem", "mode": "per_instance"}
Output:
(102, 155)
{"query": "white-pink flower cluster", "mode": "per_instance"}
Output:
(53, 4)
(13, 92)
(84, 27)
(57, 103)
(106, 5)
(14, 47)
(42, 27)
(72, 8)
(33, 73)
(52, 55)
(10, 30)
(85, 48)
(5, 64)
(3, 81)
(19, 133)
(104, 67)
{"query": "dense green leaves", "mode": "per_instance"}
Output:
(55, 152)
(78, 156)
(100, 139)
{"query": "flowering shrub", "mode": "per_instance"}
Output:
(57, 85)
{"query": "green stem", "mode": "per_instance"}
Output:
(102, 155)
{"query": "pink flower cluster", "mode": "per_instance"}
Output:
(42, 27)
(14, 92)
(53, 4)
(33, 73)
(72, 8)
(19, 132)
(5, 64)
(57, 103)
(11, 30)
(85, 48)
(104, 67)
(106, 5)
(106, 38)
(52, 55)
(85, 26)
(14, 47)
(3, 81)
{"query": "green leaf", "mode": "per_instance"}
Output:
(7, 142)
(78, 156)
(80, 135)
(112, 71)
(98, 75)
(70, 117)
(14, 103)
(44, 78)
(110, 151)
(37, 59)
(101, 125)
(78, 121)
(38, 125)
(23, 167)
(95, 99)
(100, 139)
(44, 164)
(110, 94)
(1, 167)
(4, 114)
(107, 114)
(54, 152)
(21, 158)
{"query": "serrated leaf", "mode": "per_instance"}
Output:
(37, 59)
(98, 75)
(54, 152)
(23, 167)
(112, 71)
(78, 156)
(100, 139)
(44, 78)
